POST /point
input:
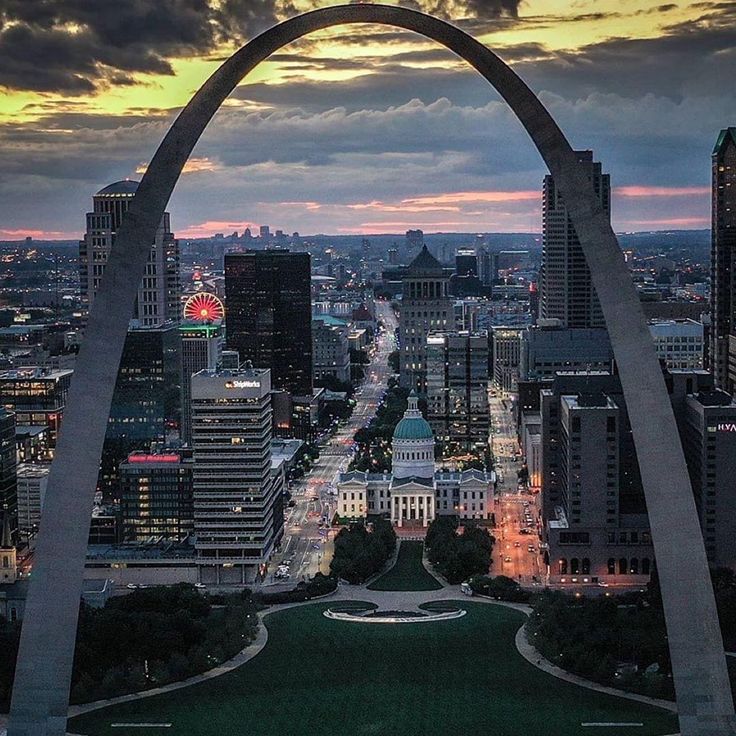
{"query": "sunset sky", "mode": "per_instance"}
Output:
(359, 128)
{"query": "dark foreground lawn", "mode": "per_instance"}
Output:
(408, 573)
(319, 676)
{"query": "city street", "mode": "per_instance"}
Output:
(305, 544)
(516, 554)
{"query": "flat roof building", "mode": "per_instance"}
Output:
(238, 503)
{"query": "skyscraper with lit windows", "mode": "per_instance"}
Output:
(158, 295)
(723, 261)
(566, 288)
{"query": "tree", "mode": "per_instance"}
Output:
(458, 556)
(360, 553)
(394, 361)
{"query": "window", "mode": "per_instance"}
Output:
(611, 566)
(586, 566)
(634, 569)
(574, 566)
(563, 567)
(622, 566)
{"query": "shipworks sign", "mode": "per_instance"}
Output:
(242, 384)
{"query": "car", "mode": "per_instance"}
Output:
(517, 543)
(315, 546)
(531, 548)
(200, 586)
(131, 586)
(507, 559)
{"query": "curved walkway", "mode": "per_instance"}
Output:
(386, 600)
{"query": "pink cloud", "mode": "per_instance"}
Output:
(640, 190)
(475, 197)
(676, 222)
(209, 228)
(37, 234)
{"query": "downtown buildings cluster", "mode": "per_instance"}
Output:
(239, 345)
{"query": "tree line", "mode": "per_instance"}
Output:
(145, 639)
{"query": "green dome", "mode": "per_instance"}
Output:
(413, 428)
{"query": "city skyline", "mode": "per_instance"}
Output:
(536, 418)
(635, 84)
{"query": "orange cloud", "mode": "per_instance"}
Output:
(192, 166)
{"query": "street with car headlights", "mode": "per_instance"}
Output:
(517, 553)
(307, 543)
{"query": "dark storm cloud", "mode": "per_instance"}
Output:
(74, 46)
(691, 60)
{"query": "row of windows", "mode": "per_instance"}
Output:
(632, 566)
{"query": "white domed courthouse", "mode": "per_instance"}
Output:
(414, 493)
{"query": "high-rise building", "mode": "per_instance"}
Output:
(156, 496)
(265, 232)
(425, 307)
(457, 388)
(8, 462)
(146, 403)
(466, 262)
(269, 315)
(566, 287)
(331, 349)
(593, 504)
(230, 360)
(708, 430)
(238, 513)
(548, 348)
(33, 479)
(158, 295)
(201, 348)
(679, 342)
(595, 523)
(506, 345)
(8, 560)
(723, 257)
(414, 239)
(38, 398)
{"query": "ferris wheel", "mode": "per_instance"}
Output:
(203, 307)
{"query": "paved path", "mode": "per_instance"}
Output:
(384, 600)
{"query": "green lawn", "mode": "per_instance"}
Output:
(319, 676)
(408, 573)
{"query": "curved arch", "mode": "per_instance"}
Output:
(41, 691)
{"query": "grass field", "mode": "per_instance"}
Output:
(408, 573)
(319, 676)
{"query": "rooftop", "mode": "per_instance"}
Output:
(126, 187)
(425, 262)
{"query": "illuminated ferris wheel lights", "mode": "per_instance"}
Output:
(203, 307)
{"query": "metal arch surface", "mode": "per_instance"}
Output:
(41, 689)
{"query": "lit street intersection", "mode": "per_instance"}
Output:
(307, 543)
